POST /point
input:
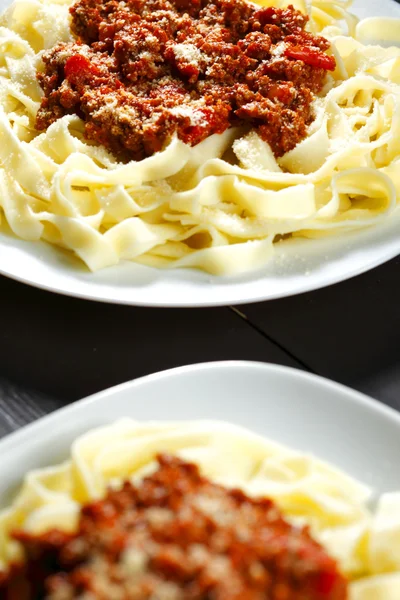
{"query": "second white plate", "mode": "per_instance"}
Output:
(292, 407)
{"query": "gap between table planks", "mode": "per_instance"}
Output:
(349, 332)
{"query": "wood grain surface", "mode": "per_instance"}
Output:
(349, 332)
(55, 349)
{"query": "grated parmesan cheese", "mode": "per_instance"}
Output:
(196, 118)
(188, 52)
(279, 49)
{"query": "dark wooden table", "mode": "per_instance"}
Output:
(54, 349)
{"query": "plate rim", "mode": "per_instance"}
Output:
(312, 286)
(19, 436)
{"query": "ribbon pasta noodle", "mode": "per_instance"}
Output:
(189, 206)
(307, 490)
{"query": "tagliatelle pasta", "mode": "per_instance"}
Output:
(308, 491)
(218, 206)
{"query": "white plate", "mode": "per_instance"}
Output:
(298, 266)
(303, 411)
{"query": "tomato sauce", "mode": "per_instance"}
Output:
(141, 71)
(176, 536)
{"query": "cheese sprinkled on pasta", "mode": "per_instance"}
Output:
(306, 489)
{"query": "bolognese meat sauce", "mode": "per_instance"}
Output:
(176, 536)
(143, 70)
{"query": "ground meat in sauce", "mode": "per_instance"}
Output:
(142, 70)
(176, 536)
